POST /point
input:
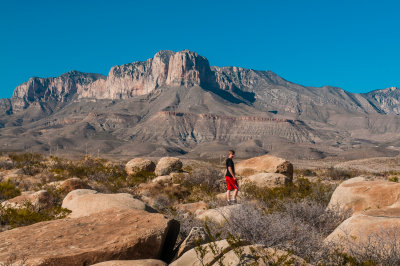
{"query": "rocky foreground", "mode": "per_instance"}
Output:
(59, 212)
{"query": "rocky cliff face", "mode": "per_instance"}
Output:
(51, 90)
(184, 68)
(387, 100)
(263, 89)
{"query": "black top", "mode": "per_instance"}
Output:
(229, 162)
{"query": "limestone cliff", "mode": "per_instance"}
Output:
(51, 90)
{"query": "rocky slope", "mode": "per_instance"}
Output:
(176, 103)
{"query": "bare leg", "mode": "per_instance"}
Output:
(234, 194)
(227, 195)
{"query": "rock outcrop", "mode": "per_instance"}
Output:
(84, 202)
(358, 194)
(104, 236)
(377, 228)
(48, 92)
(265, 164)
(166, 68)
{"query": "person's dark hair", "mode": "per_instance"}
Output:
(232, 152)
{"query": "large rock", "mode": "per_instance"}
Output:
(192, 207)
(224, 253)
(148, 262)
(219, 215)
(263, 256)
(84, 202)
(358, 194)
(374, 228)
(104, 236)
(264, 164)
(70, 184)
(266, 180)
(138, 165)
(167, 165)
(39, 200)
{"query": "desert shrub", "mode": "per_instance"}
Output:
(140, 177)
(111, 177)
(6, 165)
(299, 227)
(30, 163)
(202, 184)
(341, 174)
(161, 202)
(393, 179)
(27, 215)
(275, 197)
(8, 190)
(304, 172)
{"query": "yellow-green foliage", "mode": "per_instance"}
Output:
(393, 179)
(30, 163)
(304, 172)
(341, 174)
(8, 190)
(276, 196)
(113, 177)
(140, 177)
(27, 215)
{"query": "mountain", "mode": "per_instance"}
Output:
(176, 103)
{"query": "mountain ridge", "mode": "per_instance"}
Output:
(176, 103)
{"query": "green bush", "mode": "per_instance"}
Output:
(8, 190)
(341, 174)
(30, 163)
(393, 179)
(276, 196)
(16, 217)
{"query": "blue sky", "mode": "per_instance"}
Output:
(349, 44)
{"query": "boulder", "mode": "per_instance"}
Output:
(374, 228)
(40, 200)
(148, 262)
(84, 202)
(266, 180)
(358, 194)
(138, 165)
(104, 236)
(264, 164)
(224, 254)
(167, 165)
(219, 215)
(70, 184)
(197, 236)
(192, 207)
(73, 184)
